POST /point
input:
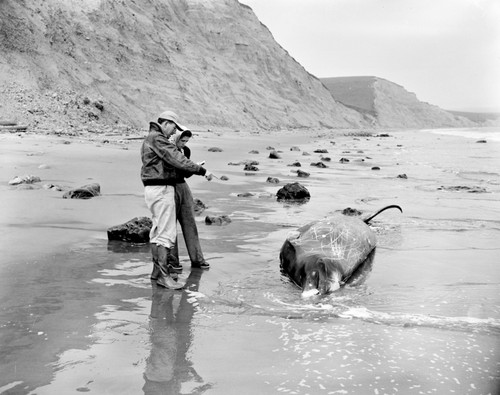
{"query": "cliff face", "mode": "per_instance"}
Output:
(64, 63)
(390, 105)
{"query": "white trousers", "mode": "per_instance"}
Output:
(160, 200)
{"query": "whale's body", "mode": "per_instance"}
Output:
(322, 256)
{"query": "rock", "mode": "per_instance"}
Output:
(27, 179)
(54, 187)
(351, 212)
(224, 178)
(481, 141)
(235, 163)
(293, 191)
(295, 164)
(294, 148)
(245, 194)
(306, 153)
(251, 162)
(199, 206)
(44, 166)
(321, 151)
(253, 152)
(85, 192)
(319, 164)
(402, 176)
(462, 188)
(302, 174)
(326, 159)
(274, 155)
(215, 149)
(250, 168)
(269, 148)
(134, 231)
(375, 168)
(272, 180)
(344, 160)
(383, 135)
(219, 220)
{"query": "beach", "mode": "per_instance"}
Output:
(80, 314)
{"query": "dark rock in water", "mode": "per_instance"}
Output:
(245, 194)
(272, 180)
(199, 206)
(224, 178)
(27, 179)
(344, 160)
(321, 151)
(462, 188)
(403, 176)
(253, 151)
(375, 168)
(351, 212)
(383, 135)
(294, 148)
(218, 220)
(306, 153)
(134, 231)
(319, 164)
(215, 149)
(326, 159)
(302, 174)
(295, 164)
(481, 141)
(293, 191)
(250, 168)
(85, 192)
(274, 155)
(269, 148)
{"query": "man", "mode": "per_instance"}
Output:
(160, 160)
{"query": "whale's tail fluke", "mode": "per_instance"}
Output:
(367, 220)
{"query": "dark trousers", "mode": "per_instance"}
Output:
(185, 216)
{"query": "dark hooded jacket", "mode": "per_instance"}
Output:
(161, 160)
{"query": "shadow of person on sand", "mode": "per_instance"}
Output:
(168, 367)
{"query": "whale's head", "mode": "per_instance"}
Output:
(322, 276)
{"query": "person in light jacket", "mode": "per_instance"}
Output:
(160, 162)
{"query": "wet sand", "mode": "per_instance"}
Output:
(80, 314)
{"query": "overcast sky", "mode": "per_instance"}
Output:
(445, 51)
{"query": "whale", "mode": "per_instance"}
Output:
(326, 254)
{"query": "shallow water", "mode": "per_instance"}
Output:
(425, 318)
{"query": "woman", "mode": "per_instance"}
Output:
(184, 205)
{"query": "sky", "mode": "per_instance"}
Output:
(447, 52)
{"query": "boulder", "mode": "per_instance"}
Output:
(319, 164)
(199, 206)
(321, 151)
(295, 164)
(134, 231)
(302, 174)
(293, 191)
(250, 168)
(27, 179)
(274, 155)
(272, 180)
(85, 192)
(218, 220)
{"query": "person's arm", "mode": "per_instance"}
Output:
(169, 153)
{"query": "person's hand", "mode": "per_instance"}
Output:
(209, 176)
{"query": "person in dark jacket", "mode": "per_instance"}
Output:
(160, 161)
(184, 205)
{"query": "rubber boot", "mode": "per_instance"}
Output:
(156, 267)
(165, 279)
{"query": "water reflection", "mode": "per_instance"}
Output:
(168, 369)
